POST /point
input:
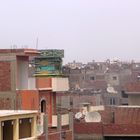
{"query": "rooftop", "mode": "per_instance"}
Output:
(19, 51)
(129, 106)
(4, 113)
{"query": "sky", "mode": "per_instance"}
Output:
(86, 29)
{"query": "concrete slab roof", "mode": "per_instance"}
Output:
(4, 113)
(129, 106)
(22, 52)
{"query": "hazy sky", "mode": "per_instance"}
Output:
(85, 29)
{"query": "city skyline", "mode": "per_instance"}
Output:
(86, 30)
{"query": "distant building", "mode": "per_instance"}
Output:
(96, 76)
(133, 92)
(75, 65)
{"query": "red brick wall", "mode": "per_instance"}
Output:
(68, 135)
(29, 99)
(5, 103)
(125, 115)
(54, 103)
(87, 128)
(119, 129)
(47, 95)
(106, 129)
(122, 115)
(106, 115)
(126, 122)
(5, 76)
(43, 82)
(56, 136)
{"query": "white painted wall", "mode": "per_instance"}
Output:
(60, 84)
(31, 83)
(64, 120)
(22, 74)
(134, 99)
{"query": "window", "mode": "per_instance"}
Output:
(112, 101)
(114, 78)
(124, 95)
(7, 128)
(25, 128)
(92, 78)
(43, 106)
(138, 77)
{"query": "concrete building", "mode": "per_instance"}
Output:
(49, 80)
(133, 92)
(117, 123)
(30, 80)
(97, 76)
(17, 125)
(15, 89)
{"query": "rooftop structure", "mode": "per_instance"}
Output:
(19, 90)
(49, 63)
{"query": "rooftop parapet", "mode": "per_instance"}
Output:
(18, 52)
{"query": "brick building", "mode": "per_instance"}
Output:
(30, 80)
(97, 76)
(15, 89)
(133, 92)
(122, 122)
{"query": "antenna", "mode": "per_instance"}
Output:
(93, 117)
(37, 43)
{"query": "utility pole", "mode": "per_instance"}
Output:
(45, 125)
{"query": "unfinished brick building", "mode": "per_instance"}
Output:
(15, 82)
(117, 123)
(30, 80)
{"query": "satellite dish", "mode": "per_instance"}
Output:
(78, 115)
(111, 89)
(93, 117)
(84, 112)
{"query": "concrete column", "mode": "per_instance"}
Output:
(71, 124)
(59, 124)
(33, 127)
(13, 103)
(88, 108)
(1, 131)
(13, 75)
(52, 101)
(16, 129)
(45, 125)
